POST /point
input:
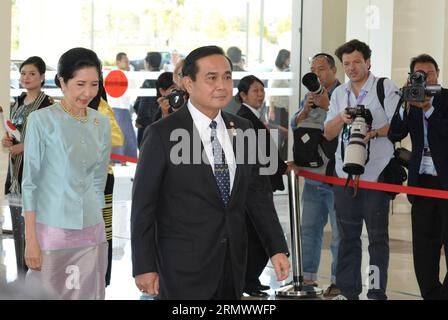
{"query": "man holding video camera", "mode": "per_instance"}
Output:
(369, 206)
(425, 117)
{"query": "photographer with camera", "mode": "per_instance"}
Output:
(169, 98)
(146, 107)
(317, 197)
(425, 117)
(369, 206)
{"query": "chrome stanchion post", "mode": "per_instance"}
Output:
(297, 289)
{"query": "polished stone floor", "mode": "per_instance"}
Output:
(401, 284)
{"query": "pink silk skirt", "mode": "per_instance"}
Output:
(74, 262)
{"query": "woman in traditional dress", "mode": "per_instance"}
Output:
(67, 151)
(32, 79)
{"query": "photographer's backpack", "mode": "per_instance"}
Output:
(394, 172)
(306, 149)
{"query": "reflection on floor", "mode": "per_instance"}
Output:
(402, 284)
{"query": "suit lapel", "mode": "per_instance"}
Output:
(249, 115)
(419, 121)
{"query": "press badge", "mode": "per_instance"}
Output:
(427, 158)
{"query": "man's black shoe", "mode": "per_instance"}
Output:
(257, 293)
(262, 287)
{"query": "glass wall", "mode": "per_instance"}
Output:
(259, 27)
(395, 29)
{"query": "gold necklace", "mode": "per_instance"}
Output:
(70, 113)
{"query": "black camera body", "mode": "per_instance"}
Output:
(418, 90)
(176, 98)
(360, 111)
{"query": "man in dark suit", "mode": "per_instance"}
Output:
(188, 233)
(251, 95)
(427, 123)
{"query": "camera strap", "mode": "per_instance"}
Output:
(355, 183)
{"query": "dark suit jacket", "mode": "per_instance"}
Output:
(145, 107)
(277, 178)
(437, 138)
(179, 223)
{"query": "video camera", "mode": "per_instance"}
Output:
(417, 89)
(176, 98)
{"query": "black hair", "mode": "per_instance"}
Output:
(282, 56)
(74, 60)
(120, 56)
(95, 103)
(422, 58)
(38, 62)
(190, 68)
(154, 60)
(352, 46)
(244, 86)
(164, 81)
(327, 57)
(234, 54)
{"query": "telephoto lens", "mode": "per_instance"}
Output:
(311, 82)
(356, 152)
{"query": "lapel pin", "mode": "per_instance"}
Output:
(232, 128)
(96, 122)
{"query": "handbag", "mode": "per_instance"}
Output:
(394, 173)
(403, 156)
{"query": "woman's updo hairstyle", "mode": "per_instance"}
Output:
(74, 60)
(38, 62)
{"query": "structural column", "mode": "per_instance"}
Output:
(371, 21)
(5, 52)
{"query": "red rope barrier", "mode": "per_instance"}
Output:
(431, 193)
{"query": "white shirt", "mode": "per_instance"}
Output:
(202, 124)
(381, 149)
(427, 164)
(256, 112)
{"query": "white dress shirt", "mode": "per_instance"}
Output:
(202, 124)
(381, 149)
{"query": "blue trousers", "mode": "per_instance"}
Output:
(371, 207)
(317, 206)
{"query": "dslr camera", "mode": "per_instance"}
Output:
(360, 111)
(417, 89)
(356, 153)
(311, 82)
(176, 98)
